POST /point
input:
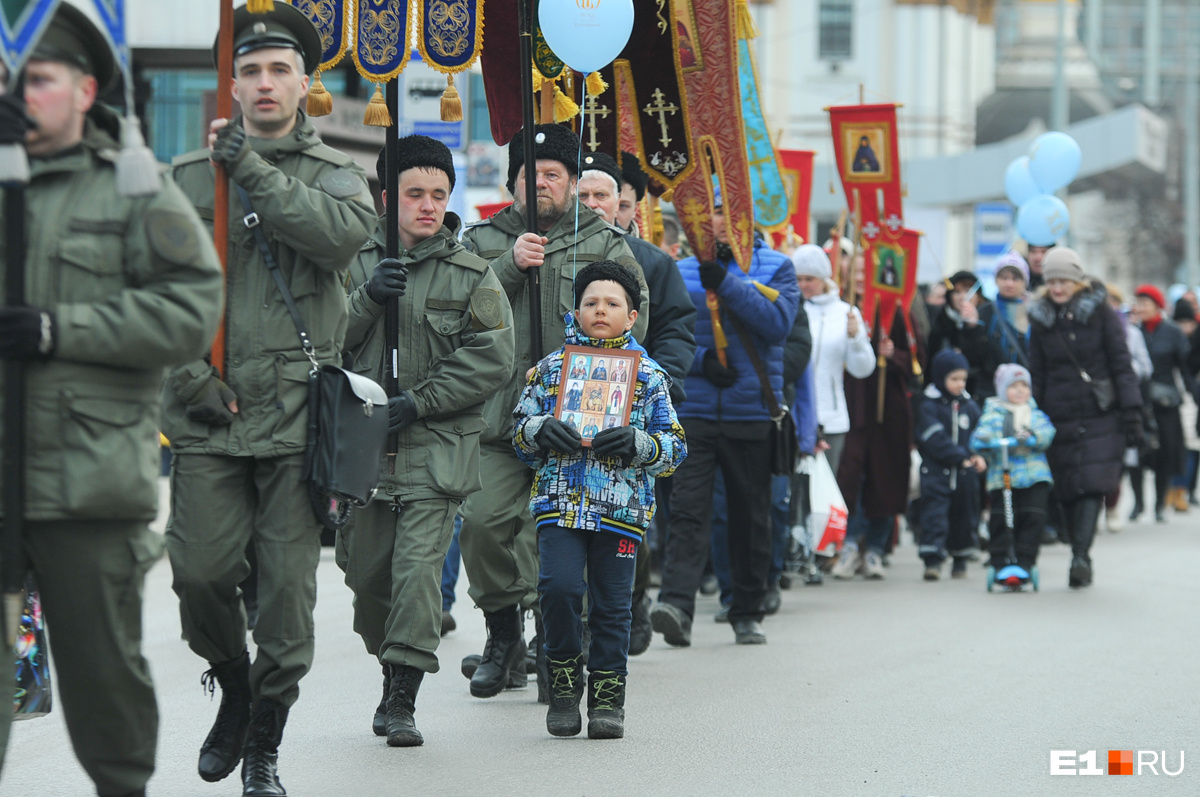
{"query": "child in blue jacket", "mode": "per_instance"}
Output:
(593, 505)
(949, 470)
(1012, 413)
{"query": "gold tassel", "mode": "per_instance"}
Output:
(668, 196)
(320, 101)
(537, 79)
(564, 107)
(746, 28)
(451, 102)
(596, 85)
(714, 313)
(260, 6)
(377, 114)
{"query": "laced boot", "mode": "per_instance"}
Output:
(507, 652)
(379, 723)
(470, 663)
(606, 705)
(566, 690)
(401, 703)
(222, 749)
(260, 777)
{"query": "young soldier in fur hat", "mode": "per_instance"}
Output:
(455, 349)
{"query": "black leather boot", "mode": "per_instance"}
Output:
(379, 722)
(401, 703)
(470, 663)
(260, 777)
(507, 652)
(222, 749)
(606, 705)
(566, 690)
(1087, 514)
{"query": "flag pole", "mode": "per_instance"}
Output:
(221, 186)
(391, 214)
(526, 11)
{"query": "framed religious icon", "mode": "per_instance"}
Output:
(865, 148)
(596, 389)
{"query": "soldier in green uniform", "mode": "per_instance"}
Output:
(118, 288)
(455, 349)
(239, 441)
(498, 538)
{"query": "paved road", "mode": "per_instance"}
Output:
(884, 689)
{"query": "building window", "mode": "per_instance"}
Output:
(834, 18)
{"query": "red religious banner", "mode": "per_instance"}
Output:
(891, 278)
(867, 151)
(796, 166)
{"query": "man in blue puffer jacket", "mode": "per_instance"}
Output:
(728, 426)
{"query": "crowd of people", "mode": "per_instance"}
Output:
(688, 379)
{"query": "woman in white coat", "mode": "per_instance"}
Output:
(839, 344)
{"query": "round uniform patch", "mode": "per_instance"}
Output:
(486, 307)
(341, 183)
(172, 236)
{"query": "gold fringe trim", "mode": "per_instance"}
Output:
(565, 108)
(260, 6)
(766, 290)
(746, 29)
(320, 101)
(451, 102)
(377, 114)
(596, 85)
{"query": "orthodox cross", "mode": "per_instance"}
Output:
(894, 223)
(870, 229)
(660, 109)
(591, 109)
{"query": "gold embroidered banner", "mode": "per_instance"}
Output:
(450, 33)
(381, 38)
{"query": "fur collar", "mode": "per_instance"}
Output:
(1080, 307)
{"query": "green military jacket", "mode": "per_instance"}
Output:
(316, 211)
(455, 350)
(135, 287)
(566, 253)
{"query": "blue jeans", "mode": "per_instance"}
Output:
(450, 567)
(868, 533)
(780, 503)
(609, 560)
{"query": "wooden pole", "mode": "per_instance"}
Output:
(526, 12)
(12, 544)
(391, 215)
(221, 186)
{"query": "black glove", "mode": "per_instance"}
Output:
(712, 274)
(389, 279)
(14, 121)
(619, 442)
(1131, 422)
(402, 411)
(230, 146)
(558, 436)
(211, 404)
(27, 333)
(719, 375)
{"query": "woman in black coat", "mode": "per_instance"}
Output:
(1082, 379)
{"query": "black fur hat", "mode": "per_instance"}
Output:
(417, 151)
(631, 172)
(602, 163)
(551, 142)
(608, 270)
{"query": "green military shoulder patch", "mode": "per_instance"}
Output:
(487, 308)
(342, 184)
(172, 236)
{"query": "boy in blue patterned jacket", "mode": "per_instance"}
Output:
(1012, 413)
(592, 507)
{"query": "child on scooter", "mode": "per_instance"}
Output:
(1012, 416)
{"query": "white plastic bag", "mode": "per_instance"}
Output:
(827, 523)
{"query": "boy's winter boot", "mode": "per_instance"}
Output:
(379, 722)
(606, 705)
(260, 777)
(222, 749)
(401, 703)
(566, 690)
(507, 652)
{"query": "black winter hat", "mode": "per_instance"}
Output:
(947, 360)
(551, 142)
(603, 163)
(608, 270)
(1184, 311)
(415, 152)
(631, 172)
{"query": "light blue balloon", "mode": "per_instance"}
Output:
(1054, 160)
(1018, 182)
(586, 34)
(1043, 220)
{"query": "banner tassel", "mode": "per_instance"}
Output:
(564, 107)
(260, 6)
(137, 168)
(451, 110)
(377, 114)
(320, 101)
(746, 29)
(595, 84)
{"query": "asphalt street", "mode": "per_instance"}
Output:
(887, 689)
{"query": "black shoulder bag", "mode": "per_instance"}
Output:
(785, 448)
(1102, 389)
(347, 415)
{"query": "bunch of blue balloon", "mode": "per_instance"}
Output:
(586, 35)
(1030, 182)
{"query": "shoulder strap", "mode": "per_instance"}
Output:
(254, 224)
(752, 353)
(1082, 373)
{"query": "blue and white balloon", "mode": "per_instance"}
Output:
(1018, 182)
(1043, 220)
(1054, 160)
(586, 34)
